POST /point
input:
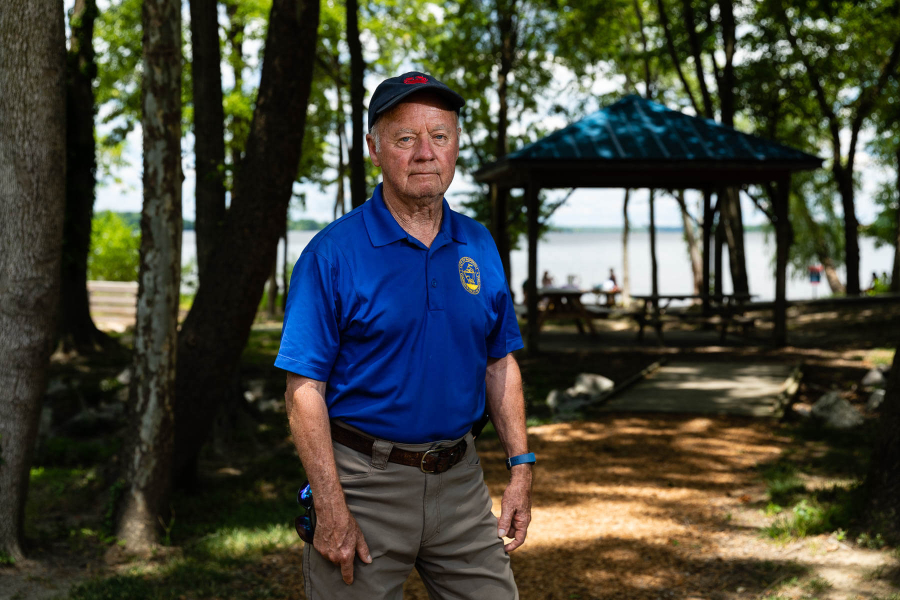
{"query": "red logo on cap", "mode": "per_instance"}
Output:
(416, 79)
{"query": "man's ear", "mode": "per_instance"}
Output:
(370, 142)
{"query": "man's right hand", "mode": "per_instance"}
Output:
(339, 539)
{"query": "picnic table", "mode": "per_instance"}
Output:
(564, 303)
(727, 310)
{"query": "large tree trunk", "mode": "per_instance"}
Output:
(218, 325)
(693, 245)
(209, 128)
(76, 327)
(895, 273)
(884, 471)
(358, 192)
(851, 227)
(626, 226)
(149, 454)
(32, 202)
(499, 194)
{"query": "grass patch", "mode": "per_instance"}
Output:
(783, 484)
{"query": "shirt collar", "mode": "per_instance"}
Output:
(383, 228)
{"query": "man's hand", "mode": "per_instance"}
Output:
(515, 508)
(339, 539)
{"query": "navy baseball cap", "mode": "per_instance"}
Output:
(391, 91)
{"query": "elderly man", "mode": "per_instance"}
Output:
(397, 336)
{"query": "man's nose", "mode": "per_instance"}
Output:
(424, 151)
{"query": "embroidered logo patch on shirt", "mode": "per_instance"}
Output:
(469, 275)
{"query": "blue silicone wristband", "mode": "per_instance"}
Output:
(520, 459)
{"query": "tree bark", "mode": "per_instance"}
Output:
(358, 191)
(32, 202)
(895, 272)
(626, 227)
(500, 195)
(149, 454)
(851, 229)
(207, 351)
(883, 480)
(77, 331)
(209, 128)
(654, 271)
(821, 248)
(691, 239)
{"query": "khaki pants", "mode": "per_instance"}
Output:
(439, 524)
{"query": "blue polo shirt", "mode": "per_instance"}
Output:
(401, 333)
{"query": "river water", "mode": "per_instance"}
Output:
(589, 256)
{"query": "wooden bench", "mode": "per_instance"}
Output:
(116, 299)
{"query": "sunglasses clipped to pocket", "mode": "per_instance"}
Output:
(305, 524)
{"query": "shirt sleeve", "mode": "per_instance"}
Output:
(310, 337)
(505, 336)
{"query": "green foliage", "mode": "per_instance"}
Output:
(115, 249)
(6, 560)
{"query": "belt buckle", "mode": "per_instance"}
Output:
(424, 456)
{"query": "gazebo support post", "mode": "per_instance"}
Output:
(654, 274)
(783, 241)
(531, 204)
(707, 234)
(499, 211)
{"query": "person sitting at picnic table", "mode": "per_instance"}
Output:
(610, 287)
(547, 280)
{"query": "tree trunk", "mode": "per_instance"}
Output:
(895, 272)
(149, 454)
(851, 233)
(626, 278)
(654, 270)
(883, 479)
(500, 195)
(693, 245)
(207, 351)
(340, 202)
(32, 202)
(209, 128)
(734, 237)
(76, 327)
(235, 36)
(358, 191)
(272, 296)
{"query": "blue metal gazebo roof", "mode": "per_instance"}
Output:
(637, 143)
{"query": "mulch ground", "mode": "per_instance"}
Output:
(649, 507)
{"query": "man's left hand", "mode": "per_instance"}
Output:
(515, 508)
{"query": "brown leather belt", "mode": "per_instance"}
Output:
(436, 460)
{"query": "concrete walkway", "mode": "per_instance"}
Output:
(719, 388)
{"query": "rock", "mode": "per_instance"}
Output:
(124, 377)
(274, 405)
(56, 386)
(553, 399)
(836, 412)
(874, 378)
(875, 400)
(590, 384)
(566, 406)
(255, 388)
(802, 409)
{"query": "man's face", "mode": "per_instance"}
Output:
(418, 148)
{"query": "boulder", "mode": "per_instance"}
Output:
(590, 384)
(875, 400)
(836, 412)
(124, 377)
(874, 378)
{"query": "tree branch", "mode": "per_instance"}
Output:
(670, 43)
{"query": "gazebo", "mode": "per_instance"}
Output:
(637, 143)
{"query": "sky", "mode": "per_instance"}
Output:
(585, 207)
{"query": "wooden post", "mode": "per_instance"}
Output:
(783, 243)
(531, 203)
(707, 233)
(653, 267)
